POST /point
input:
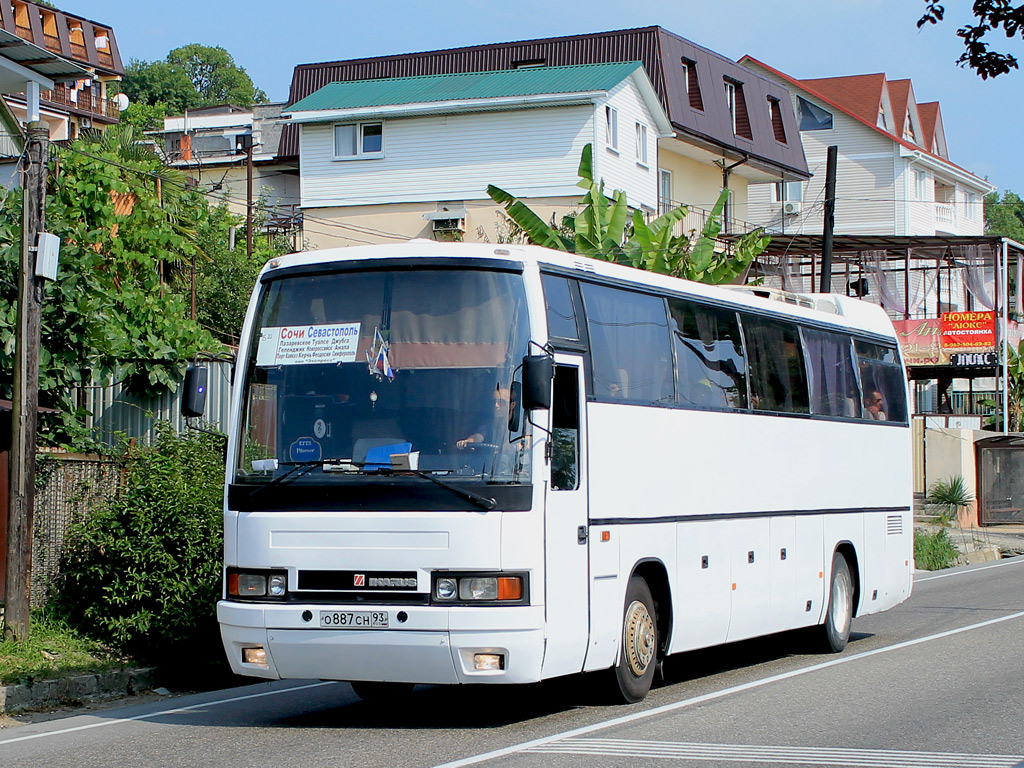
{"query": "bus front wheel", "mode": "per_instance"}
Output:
(835, 632)
(638, 657)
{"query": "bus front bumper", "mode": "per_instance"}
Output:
(441, 645)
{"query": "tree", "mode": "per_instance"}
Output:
(991, 16)
(602, 229)
(190, 77)
(124, 220)
(1004, 217)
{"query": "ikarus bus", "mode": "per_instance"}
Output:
(455, 463)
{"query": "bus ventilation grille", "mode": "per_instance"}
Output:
(894, 525)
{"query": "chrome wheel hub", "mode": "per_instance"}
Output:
(639, 638)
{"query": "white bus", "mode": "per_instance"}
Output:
(455, 463)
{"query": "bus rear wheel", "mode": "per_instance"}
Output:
(638, 657)
(381, 693)
(835, 632)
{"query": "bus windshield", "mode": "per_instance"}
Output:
(349, 369)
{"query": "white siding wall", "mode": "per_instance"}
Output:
(920, 212)
(622, 170)
(529, 152)
(865, 191)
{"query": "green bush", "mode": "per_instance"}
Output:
(143, 572)
(933, 550)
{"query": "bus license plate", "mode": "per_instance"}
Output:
(354, 619)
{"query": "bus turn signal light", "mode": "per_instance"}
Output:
(510, 588)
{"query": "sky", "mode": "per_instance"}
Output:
(803, 38)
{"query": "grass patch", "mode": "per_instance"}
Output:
(934, 550)
(54, 650)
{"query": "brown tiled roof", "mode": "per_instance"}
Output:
(899, 97)
(811, 87)
(929, 114)
(859, 95)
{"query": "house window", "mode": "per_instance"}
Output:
(921, 185)
(881, 121)
(355, 140)
(812, 117)
(664, 191)
(787, 191)
(775, 113)
(641, 144)
(971, 206)
(737, 106)
(611, 127)
(692, 84)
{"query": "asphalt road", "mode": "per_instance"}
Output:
(937, 681)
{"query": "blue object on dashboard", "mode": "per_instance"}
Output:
(379, 457)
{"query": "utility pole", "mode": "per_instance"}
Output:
(830, 219)
(25, 400)
(247, 144)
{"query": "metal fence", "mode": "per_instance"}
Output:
(115, 414)
(68, 488)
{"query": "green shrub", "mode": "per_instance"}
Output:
(143, 572)
(947, 497)
(933, 550)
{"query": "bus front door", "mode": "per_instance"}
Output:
(565, 525)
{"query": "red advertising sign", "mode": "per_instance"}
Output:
(919, 340)
(968, 330)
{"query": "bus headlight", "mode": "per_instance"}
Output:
(256, 584)
(478, 588)
(446, 589)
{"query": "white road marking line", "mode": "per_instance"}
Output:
(753, 753)
(961, 572)
(666, 708)
(175, 711)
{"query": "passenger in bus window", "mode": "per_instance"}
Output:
(873, 404)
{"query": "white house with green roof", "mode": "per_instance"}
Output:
(412, 156)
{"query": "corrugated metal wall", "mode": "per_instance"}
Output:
(115, 413)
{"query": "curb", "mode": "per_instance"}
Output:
(44, 694)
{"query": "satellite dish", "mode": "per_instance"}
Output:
(122, 101)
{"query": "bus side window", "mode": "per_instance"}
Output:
(565, 429)
(561, 311)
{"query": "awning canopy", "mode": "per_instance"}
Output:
(22, 62)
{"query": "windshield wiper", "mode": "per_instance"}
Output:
(484, 502)
(297, 470)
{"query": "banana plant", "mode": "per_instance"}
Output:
(602, 229)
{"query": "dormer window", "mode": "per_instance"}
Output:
(737, 105)
(908, 130)
(775, 113)
(881, 122)
(692, 84)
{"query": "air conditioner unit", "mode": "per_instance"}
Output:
(449, 225)
(791, 207)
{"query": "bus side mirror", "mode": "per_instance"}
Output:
(193, 398)
(538, 371)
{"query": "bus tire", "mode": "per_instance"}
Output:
(381, 693)
(835, 632)
(638, 657)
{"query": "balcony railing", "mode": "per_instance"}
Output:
(945, 213)
(693, 223)
(84, 100)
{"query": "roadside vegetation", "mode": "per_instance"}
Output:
(54, 650)
(142, 573)
(934, 550)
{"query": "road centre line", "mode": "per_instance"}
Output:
(666, 708)
(756, 753)
(175, 711)
(965, 572)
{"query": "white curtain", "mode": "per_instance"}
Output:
(888, 283)
(976, 260)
